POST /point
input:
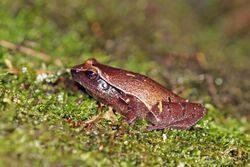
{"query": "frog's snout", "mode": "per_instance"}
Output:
(77, 69)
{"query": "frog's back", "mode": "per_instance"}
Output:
(144, 88)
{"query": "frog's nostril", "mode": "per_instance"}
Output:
(74, 70)
(77, 69)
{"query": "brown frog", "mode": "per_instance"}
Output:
(137, 96)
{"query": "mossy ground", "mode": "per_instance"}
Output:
(33, 109)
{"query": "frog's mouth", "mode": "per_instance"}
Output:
(80, 84)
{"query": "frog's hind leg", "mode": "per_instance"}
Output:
(175, 115)
(194, 112)
(181, 124)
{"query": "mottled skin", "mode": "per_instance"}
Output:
(137, 96)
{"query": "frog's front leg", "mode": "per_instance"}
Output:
(130, 116)
(132, 108)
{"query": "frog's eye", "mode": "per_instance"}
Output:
(91, 73)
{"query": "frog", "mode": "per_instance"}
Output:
(136, 96)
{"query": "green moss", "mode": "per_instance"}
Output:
(33, 129)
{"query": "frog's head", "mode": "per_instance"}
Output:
(90, 76)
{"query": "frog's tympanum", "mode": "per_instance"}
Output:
(136, 96)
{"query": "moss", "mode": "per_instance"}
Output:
(33, 109)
